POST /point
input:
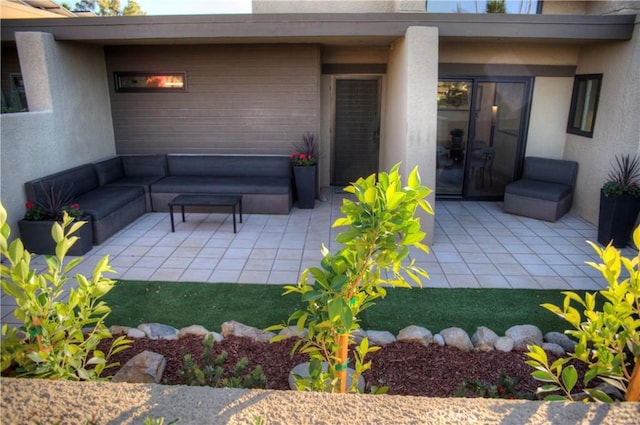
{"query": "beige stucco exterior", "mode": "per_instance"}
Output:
(617, 127)
(70, 119)
(410, 121)
(548, 121)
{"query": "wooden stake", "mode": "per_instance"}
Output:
(341, 367)
(633, 389)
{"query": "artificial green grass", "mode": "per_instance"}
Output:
(181, 304)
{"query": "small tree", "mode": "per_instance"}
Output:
(59, 338)
(608, 340)
(381, 228)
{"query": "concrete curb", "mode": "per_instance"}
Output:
(50, 402)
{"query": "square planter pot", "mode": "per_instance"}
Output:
(618, 215)
(305, 178)
(36, 237)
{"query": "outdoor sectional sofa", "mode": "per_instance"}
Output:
(117, 190)
(545, 190)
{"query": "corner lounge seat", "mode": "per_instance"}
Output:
(132, 170)
(115, 191)
(264, 181)
(110, 208)
(545, 191)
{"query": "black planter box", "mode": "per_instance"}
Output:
(36, 237)
(305, 178)
(618, 215)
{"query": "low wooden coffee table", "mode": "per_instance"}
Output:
(206, 200)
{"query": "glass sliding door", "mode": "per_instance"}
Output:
(495, 115)
(454, 100)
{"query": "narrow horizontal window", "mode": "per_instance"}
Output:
(584, 104)
(150, 81)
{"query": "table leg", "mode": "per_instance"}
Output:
(240, 209)
(173, 228)
(183, 213)
(233, 211)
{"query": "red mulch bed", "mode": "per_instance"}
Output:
(405, 368)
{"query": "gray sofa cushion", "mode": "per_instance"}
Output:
(240, 185)
(550, 170)
(72, 182)
(144, 165)
(538, 189)
(229, 165)
(104, 200)
(109, 170)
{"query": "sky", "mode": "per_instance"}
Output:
(193, 7)
(196, 7)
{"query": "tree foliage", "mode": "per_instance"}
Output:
(608, 339)
(109, 7)
(380, 228)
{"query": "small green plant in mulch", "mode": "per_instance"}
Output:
(505, 388)
(211, 371)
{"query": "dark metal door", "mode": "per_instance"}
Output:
(357, 130)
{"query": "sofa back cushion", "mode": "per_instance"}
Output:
(69, 183)
(144, 165)
(109, 170)
(550, 170)
(229, 165)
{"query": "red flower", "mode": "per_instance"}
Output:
(74, 206)
(30, 205)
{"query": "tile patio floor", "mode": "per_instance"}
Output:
(476, 245)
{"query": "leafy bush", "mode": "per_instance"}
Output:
(59, 338)
(608, 340)
(380, 229)
(212, 371)
(505, 388)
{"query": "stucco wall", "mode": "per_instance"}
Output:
(617, 128)
(410, 120)
(501, 53)
(70, 122)
(548, 120)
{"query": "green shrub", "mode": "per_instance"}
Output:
(608, 339)
(212, 371)
(380, 229)
(505, 388)
(59, 338)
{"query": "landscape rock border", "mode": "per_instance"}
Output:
(146, 368)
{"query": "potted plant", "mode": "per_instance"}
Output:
(619, 202)
(35, 227)
(304, 163)
(456, 135)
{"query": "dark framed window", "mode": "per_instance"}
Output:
(150, 81)
(584, 104)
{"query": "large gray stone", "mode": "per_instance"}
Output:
(553, 348)
(504, 343)
(523, 335)
(293, 332)
(562, 340)
(159, 331)
(193, 330)
(380, 338)
(233, 328)
(457, 337)
(416, 334)
(358, 335)
(484, 339)
(438, 339)
(144, 368)
(303, 370)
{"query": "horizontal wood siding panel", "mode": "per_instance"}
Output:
(240, 99)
